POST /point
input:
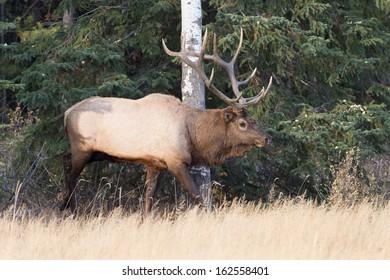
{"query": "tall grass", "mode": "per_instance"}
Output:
(283, 230)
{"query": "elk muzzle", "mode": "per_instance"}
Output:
(264, 140)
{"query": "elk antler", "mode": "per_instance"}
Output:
(239, 101)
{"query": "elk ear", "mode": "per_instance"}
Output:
(228, 115)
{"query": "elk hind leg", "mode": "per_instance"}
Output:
(152, 178)
(67, 163)
(73, 166)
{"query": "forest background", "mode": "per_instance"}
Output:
(327, 111)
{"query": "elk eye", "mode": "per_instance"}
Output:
(243, 124)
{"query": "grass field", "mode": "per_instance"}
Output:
(285, 230)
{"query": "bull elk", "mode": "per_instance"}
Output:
(161, 132)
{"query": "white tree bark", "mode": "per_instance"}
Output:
(193, 90)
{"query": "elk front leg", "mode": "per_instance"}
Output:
(152, 176)
(183, 175)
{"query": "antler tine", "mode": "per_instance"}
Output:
(168, 51)
(204, 45)
(233, 61)
(177, 54)
(262, 94)
(249, 78)
(232, 76)
(211, 80)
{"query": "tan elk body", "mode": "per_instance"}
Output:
(160, 132)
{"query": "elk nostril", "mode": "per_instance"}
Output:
(267, 140)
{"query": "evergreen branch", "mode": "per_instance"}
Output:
(28, 9)
(98, 8)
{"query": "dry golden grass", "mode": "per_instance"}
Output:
(285, 230)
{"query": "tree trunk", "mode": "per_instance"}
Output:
(68, 16)
(193, 91)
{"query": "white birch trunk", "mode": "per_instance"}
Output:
(193, 91)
